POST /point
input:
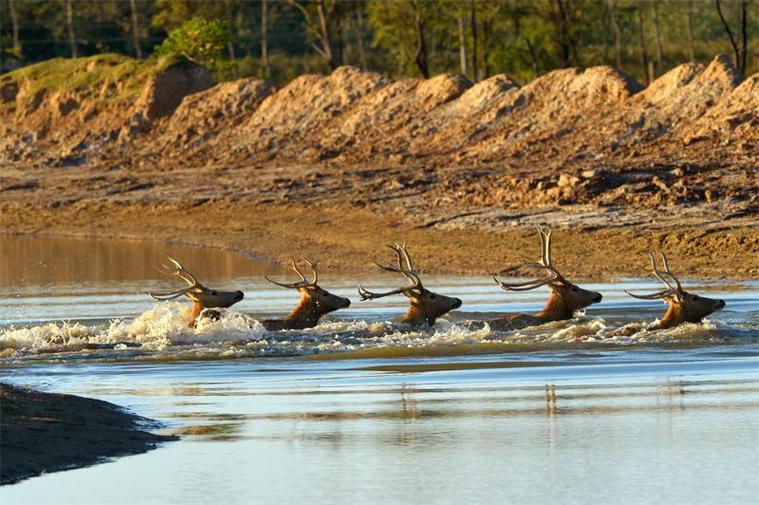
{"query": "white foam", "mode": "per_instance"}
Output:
(162, 333)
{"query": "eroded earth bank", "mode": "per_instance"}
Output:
(334, 166)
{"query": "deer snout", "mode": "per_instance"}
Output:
(456, 303)
(598, 298)
(345, 303)
(239, 295)
(720, 304)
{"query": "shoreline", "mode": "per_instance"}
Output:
(346, 238)
(50, 432)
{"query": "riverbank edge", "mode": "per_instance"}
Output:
(50, 432)
(351, 239)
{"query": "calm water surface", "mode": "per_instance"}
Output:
(364, 410)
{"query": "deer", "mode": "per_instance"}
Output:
(201, 296)
(564, 301)
(683, 306)
(315, 301)
(424, 305)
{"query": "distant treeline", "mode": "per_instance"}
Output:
(279, 39)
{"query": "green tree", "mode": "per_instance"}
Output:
(200, 40)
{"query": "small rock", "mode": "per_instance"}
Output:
(568, 181)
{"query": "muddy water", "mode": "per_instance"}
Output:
(364, 409)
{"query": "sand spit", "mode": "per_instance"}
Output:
(444, 161)
(45, 432)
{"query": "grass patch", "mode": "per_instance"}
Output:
(111, 76)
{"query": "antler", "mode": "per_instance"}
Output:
(545, 263)
(415, 283)
(676, 290)
(303, 282)
(183, 274)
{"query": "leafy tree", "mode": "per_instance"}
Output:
(200, 40)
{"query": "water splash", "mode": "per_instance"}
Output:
(162, 333)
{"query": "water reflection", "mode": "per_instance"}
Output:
(59, 261)
(405, 435)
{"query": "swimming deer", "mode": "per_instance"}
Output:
(566, 298)
(683, 306)
(314, 302)
(201, 296)
(425, 306)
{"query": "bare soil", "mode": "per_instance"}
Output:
(334, 166)
(45, 432)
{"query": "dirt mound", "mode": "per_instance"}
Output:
(538, 142)
(164, 91)
(66, 112)
(292, 120)
(734, 119)
(207, 118)
(384, 123)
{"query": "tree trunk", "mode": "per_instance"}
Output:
(359, 28)
(462, 46)
(473, 4)
(230, 21)
(605, 31)
(135, 30)
(612, 6)
(563, 34)
(421, 46)
(15, 29)
(736, 50)
(659, 45)
(642, 41)
(70, 27)
(265, 38)
(486, 48)
(744, 36)
(325, 35)
(691, 46)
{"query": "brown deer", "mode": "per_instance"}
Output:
(566, 298)
(683, 306)
(314, 302)
(425, 306)
(201, 296)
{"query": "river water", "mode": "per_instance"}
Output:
(363, 409)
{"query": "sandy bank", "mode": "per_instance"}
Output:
(44, 432)
(335, 166)
(343, 237)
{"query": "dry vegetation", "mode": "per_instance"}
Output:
(332, 165)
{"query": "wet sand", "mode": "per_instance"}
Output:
(44, 432)
(345, 237)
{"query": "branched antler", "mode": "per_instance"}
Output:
(676, 290)
(303, 282)
(184, 274)
(408, 271)
(554, 276)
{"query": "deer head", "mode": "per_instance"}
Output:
(314, 301)
(566, 298)
(426, 306)
(201, 296)
(683, 306)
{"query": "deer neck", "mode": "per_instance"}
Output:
(305, 315)
(556, 309)
(415, 316)
(197, 308)
(674, 316)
